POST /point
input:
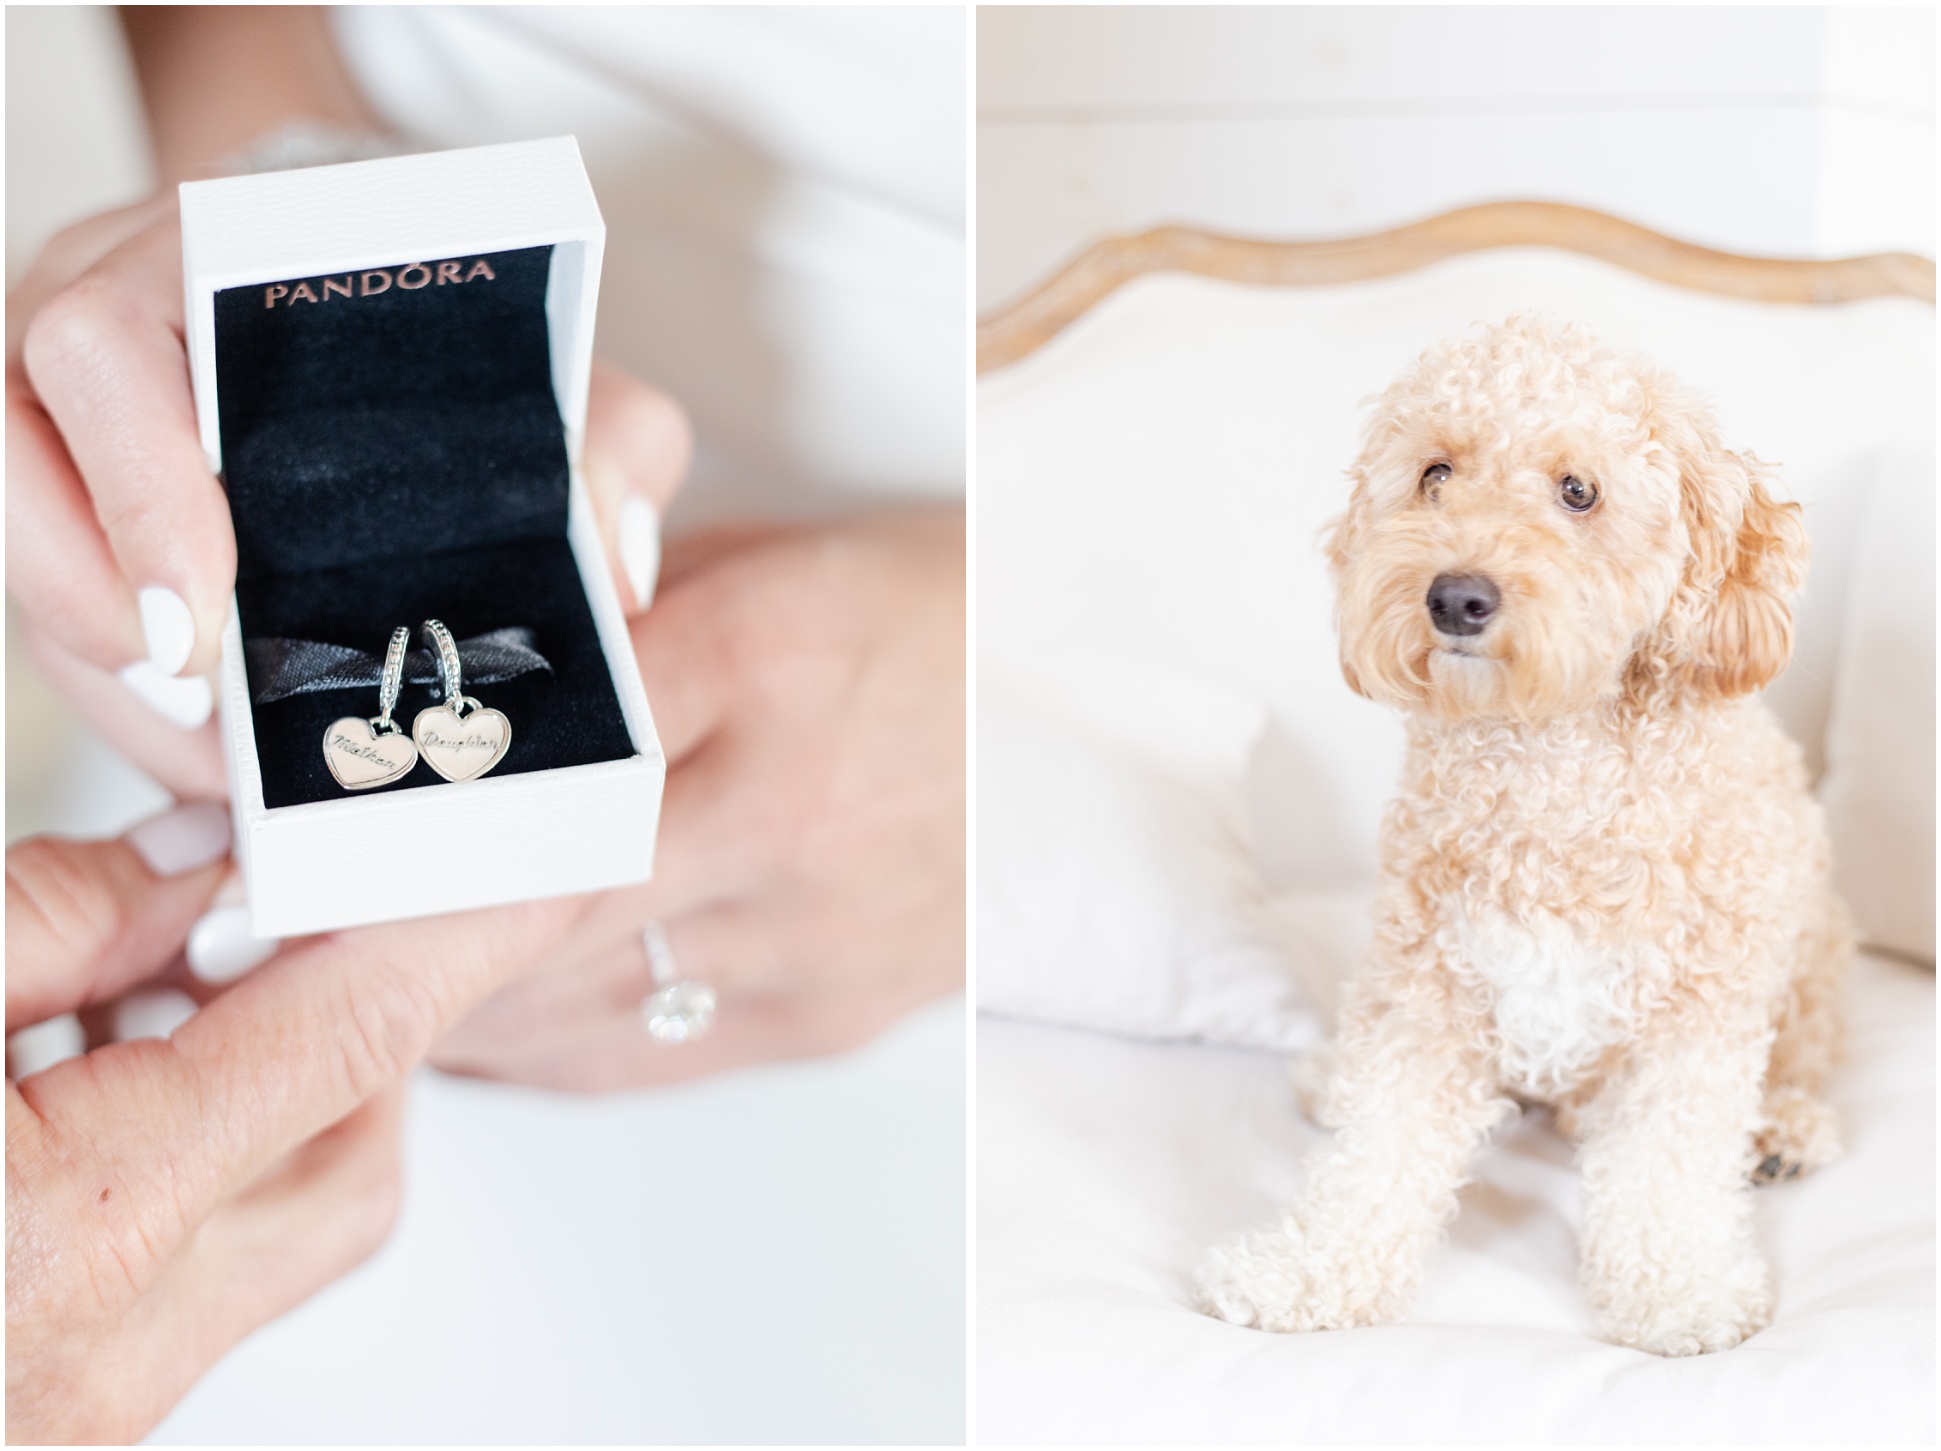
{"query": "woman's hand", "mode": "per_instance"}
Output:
(808, 685)
(808, 682)
(120, 556)
(167, 1196)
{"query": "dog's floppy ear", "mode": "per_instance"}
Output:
(1751, 625)
(1339, 538)
(1733, 618)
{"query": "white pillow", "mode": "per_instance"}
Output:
(1117, 887)
(1879, 785)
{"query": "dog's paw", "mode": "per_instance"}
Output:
(1799, 1134)
(1274, 1279)
(1238, 1281)
(1694, 1315)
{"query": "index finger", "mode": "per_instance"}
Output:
(106, 360)
(71, 252)
(288, 1051)
(88, 920)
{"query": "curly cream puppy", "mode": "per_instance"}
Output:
(1604, 885)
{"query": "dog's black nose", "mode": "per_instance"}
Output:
(1461, 604)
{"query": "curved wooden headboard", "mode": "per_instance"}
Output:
(1024, 326)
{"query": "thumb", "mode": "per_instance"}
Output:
(88, 919)
(638, 445)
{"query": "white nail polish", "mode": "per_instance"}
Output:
(152, 1013)
(168, 627)
(183, 700)
(640, 547)
(181, 840)
(221, 949)
(42, 1045)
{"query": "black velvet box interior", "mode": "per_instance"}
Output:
(393, 452)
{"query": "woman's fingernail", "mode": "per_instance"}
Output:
(168, 627)
(42, 1045)
(183, 839)
(640, 547)
(183, 700)
(152, 1013)
(221, 947)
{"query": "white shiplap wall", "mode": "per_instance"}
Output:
(1800, 130)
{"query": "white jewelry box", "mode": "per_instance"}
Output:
(523, 832)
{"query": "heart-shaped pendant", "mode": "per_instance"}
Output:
(461, 747)
(360, 757)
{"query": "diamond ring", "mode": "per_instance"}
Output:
(678, 1010)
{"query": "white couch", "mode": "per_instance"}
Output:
(1177, 807)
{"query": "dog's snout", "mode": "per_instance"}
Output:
(1461, 604)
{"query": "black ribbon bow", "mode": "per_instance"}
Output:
(283, 668)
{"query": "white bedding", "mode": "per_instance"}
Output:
(1106, 1166)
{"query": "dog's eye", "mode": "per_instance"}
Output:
(1432, 478)
(1576, 495)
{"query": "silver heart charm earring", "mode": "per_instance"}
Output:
(375, 752)
(459, 745)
